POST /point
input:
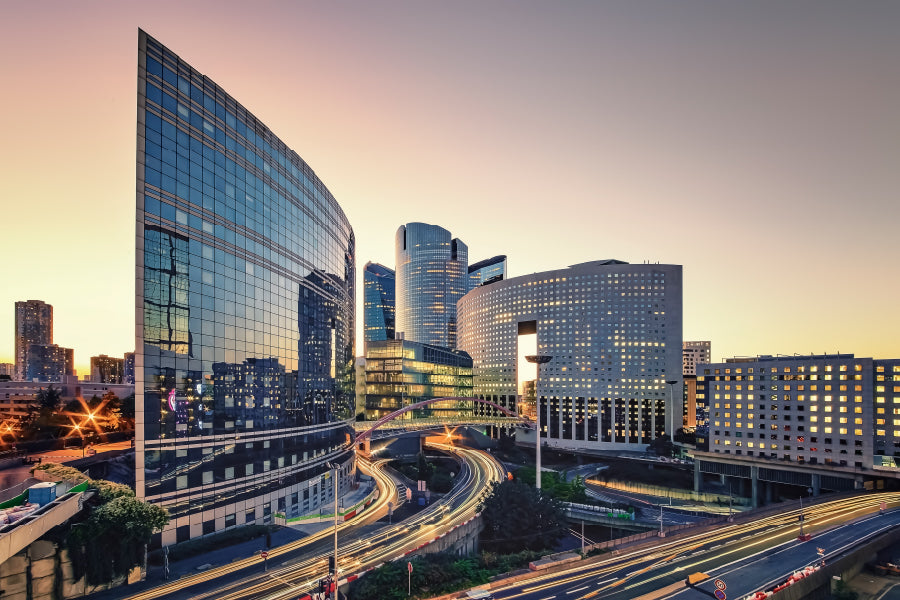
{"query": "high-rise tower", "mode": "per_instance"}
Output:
(244, 374)
(34, 326)
(379, 284)
(432, 274)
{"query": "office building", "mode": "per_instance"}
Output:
(826, 422)
(7, 370)
(613, 331)
(244, 377)
(107, 369)
(48, 363)
(487, 271)
(402, 372)
(379, 305)
(695, 410)
(432, 274)
(34, 325)
(693, 354)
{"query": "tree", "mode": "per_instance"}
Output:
(48, 398)
(425, 469)
(126, 407)
(512, 504)
(661, 446)
(112, 540)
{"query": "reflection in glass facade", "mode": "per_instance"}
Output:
(613, 331)
(487, 271)
(245, 307)
(432, 274)
(379, 284)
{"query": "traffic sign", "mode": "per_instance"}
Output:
(263, 554)
(720, 585)
(409, 567)
(720, 595)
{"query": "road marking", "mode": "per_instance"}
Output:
(578, 590)
(548, 598)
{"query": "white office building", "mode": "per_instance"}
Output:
(614, 332)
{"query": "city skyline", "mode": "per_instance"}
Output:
(753, 144)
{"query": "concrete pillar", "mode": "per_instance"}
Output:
(816, 484)
(754, 486)
(697, 476)
(723, 479)
(768, 492)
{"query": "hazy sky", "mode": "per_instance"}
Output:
(755, 143)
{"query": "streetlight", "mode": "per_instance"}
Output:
(672, 410)
(537, 359)
(335, 467)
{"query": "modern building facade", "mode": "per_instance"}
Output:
(245, 311)
(816, 422)
(487, 271)
(49, 363)
(402, 372)
(819, 409)
(613, 331)
(432, 275)
(693, 354)
(695, 409)
(107, 369)
(379, 305)
(8, 370)
(34, 325)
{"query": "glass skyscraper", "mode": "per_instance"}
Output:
(432, 274)
(245, 295)
(487, 271)
(378, 283)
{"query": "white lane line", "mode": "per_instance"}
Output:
(578, 590)
(607, 581)
(548, 598)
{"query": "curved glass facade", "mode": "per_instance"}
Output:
(245, 311)
(432, 274)
(613, 331)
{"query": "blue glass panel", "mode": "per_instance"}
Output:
(152, 176)
(184, 86)
(153, 122)
(169, 76)
(169, 103)
(154, 67)
(167, 211)
(152, 149)
(151, 205)
(153, 93)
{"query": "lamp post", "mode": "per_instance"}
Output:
(672, 410)
(537, 359)
(335, 467)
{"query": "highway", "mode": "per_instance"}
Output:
(748, 556)
(304, 562)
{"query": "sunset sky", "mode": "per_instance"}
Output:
(755, 143)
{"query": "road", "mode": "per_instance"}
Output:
(294, 569)
(763, 551)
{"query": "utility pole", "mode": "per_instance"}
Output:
(537, 359)
(582, 537)
(335, 466)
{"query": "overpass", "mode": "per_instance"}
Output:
(399, 421)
